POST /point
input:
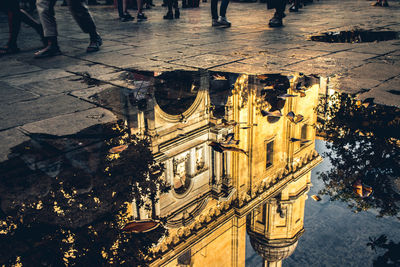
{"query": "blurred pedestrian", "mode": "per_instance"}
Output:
(221, 20)
(140, 14)
(279, 6)
(172, 4)
(81, 15)
(15, 17)
(123, 11)
(383, 3)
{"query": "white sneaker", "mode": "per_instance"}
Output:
(223, 21)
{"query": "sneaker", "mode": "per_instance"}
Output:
(141, 16)
(48, 51)
(224, 22)
(95, 43)
(215, 23)
(293, 8)
(126, 17)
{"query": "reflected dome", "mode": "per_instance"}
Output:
(272, 250)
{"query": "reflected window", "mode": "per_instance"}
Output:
(270, 154)
(223, 164)
(263, 214)
(303, 134)
(181, 179)
(200, 163)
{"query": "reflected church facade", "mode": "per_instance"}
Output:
(238, 151)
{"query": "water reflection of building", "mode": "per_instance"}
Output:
(255, 178)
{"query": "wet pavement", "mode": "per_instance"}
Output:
(229, 141)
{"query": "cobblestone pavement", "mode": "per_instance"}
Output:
(47, 96)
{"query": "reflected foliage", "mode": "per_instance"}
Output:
(64, 199)
(363, 144)
(390, 249)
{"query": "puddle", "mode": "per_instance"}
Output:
(355, 36)
(209, 158)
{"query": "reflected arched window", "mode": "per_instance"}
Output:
(181, 180)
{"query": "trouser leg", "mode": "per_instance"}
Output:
(169, 4)
(47, 17)
(27, 19)
(223, 7)
(82, 16)
(281, 8)
(14, 21)
(214, 9)
(120, 8)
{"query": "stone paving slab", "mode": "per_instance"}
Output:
(9, 139)
(70, 123)
(18, 114)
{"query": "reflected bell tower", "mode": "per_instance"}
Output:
(275, 227)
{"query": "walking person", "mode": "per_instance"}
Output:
(279, 6)
(221, 20)
(15, 17)
(81, 15)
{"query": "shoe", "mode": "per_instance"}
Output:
(141, 16)
(385, 4)
(177, 13)
(223, 21)
(169, 15)
(9, 50)
(95, 43)
(377, 3)
(293, 8)
(126, 17)
(276, 21)
(48, 51)
(215, 23)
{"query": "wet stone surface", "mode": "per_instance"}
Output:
(175, 149)
(356, 36)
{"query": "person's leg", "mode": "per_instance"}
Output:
(279, 6)
(47, 18)
(82, 16)
(140, 15)
(85, 21)
(170, 14)
(176, 7)
(120, 8)
(14, 22)
(222, 12)
(214, 9)
(223, 7)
